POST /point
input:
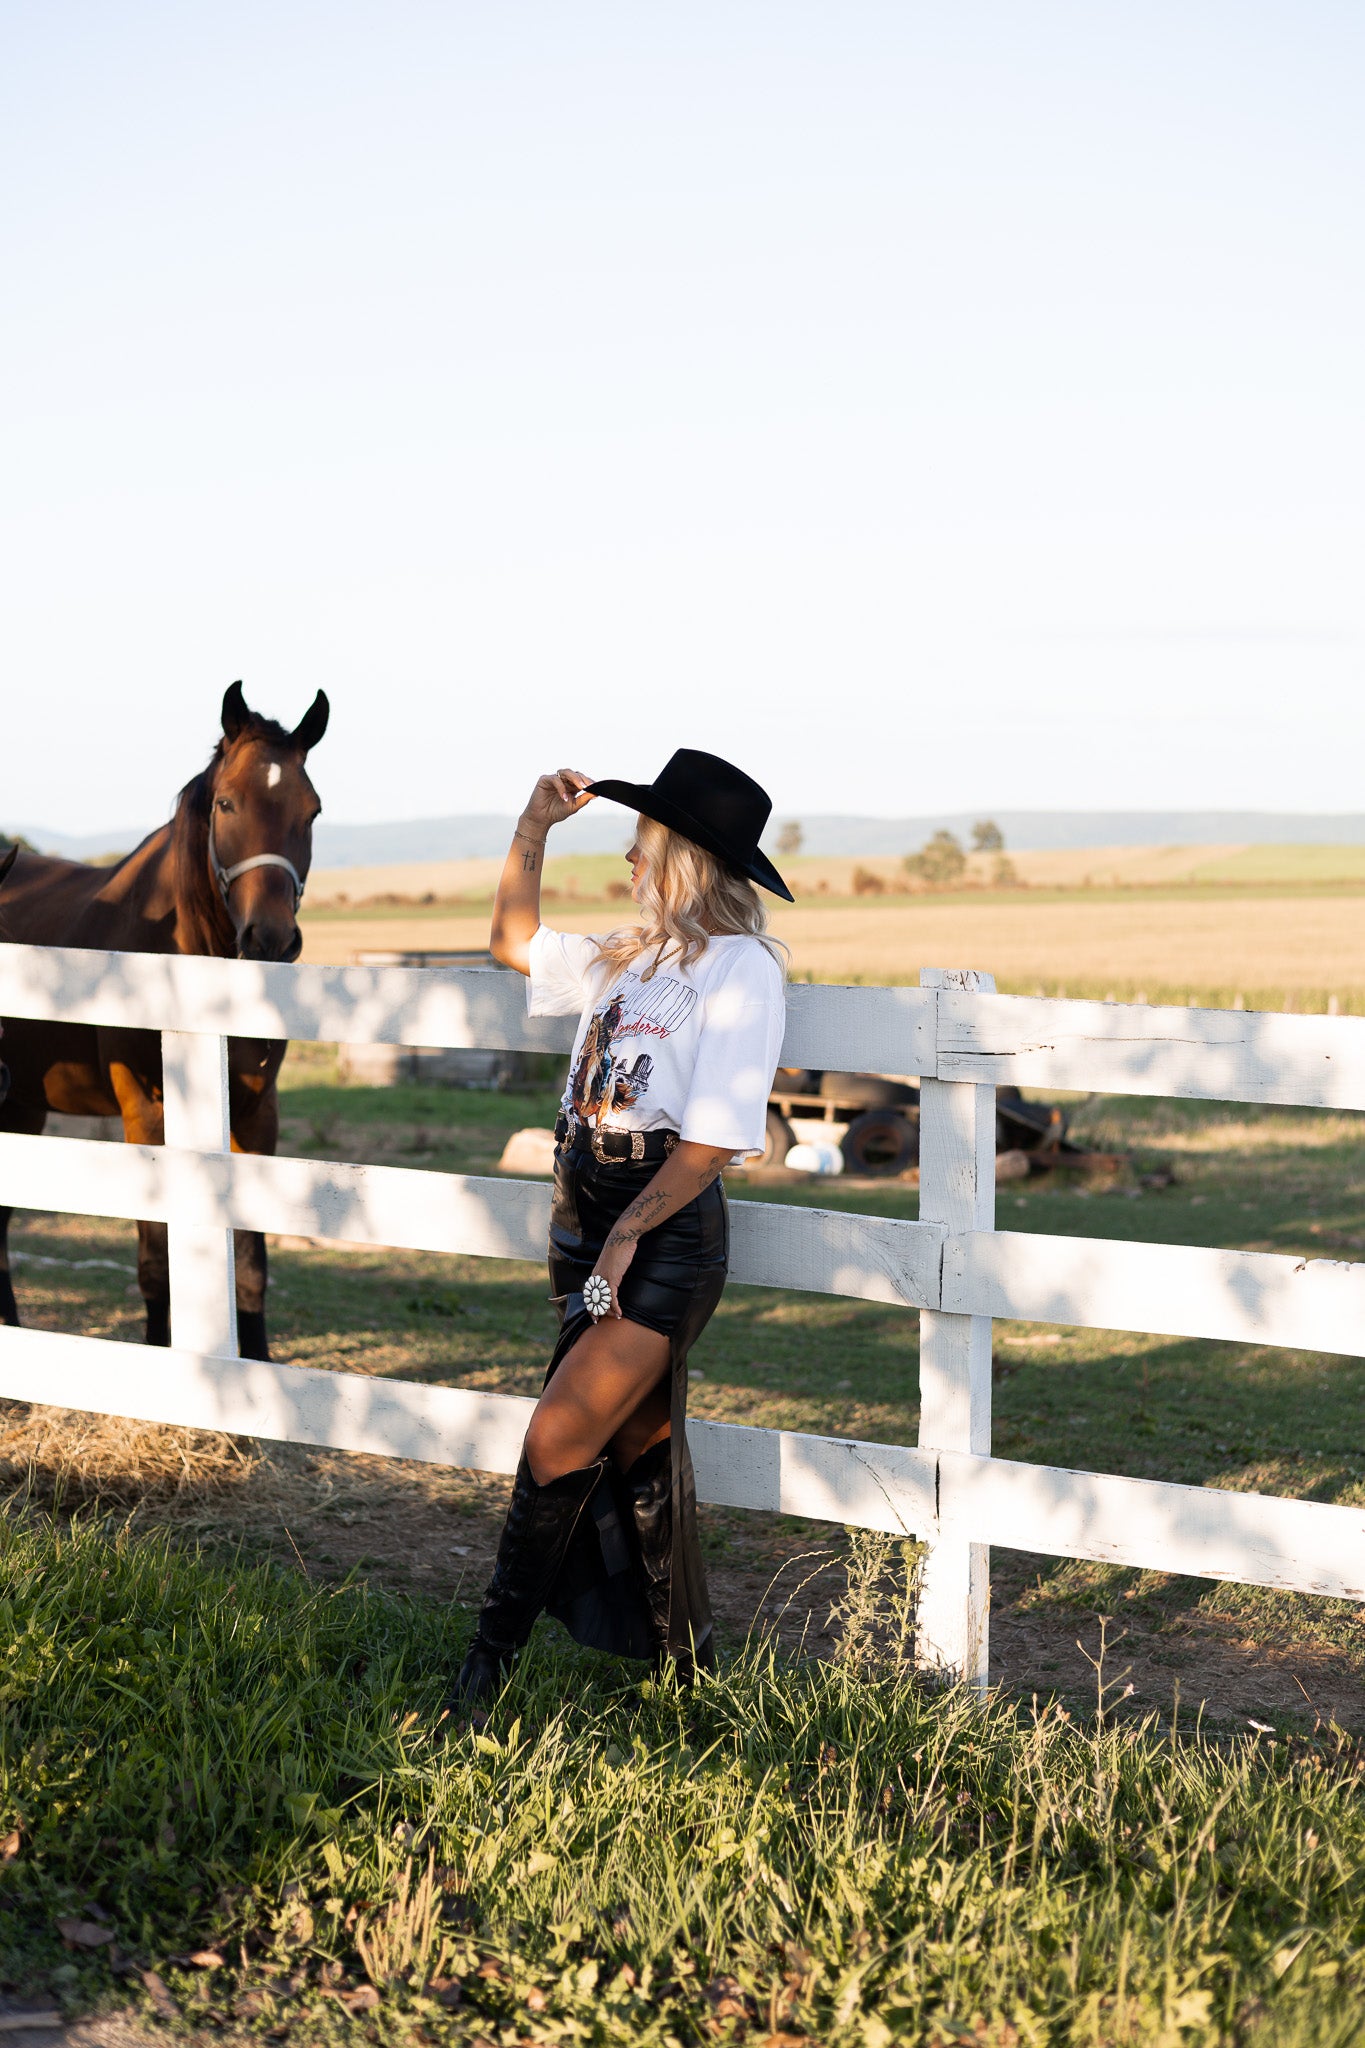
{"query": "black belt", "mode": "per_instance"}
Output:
(647, 1148)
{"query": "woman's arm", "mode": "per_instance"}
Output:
(686, 1171)
(516, 908)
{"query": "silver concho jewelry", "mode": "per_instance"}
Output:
(597, 1296)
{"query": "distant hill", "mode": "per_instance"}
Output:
(603, 829)
(1042, 831)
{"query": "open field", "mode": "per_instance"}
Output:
(1261, 947)
(1098, 867)
(225, 1744)
(1269, 949)
(1277, 926)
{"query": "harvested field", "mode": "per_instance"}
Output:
(1098, 867)
(1262, 944)
(1304, 948)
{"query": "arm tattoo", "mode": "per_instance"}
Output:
(631, 1226)
(633, 1222)
(528, 863)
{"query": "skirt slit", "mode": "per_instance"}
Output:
(673, 1285)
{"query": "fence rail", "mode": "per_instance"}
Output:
(952, 1265)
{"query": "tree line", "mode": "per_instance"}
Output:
(941, 862)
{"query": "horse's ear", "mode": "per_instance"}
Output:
(313, 724)
(235, 713)
(7, 861)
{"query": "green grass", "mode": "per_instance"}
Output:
(1309, 865)
(201, 1755)
(867, 1861)
(1198, 1412)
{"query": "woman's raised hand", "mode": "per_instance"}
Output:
(556, 797)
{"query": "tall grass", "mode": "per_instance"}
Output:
(232, 1762)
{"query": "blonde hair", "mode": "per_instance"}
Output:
(688, 898)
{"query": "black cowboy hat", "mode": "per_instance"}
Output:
(715, 805)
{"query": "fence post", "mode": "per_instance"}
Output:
(957, 1189)
(203, 1278)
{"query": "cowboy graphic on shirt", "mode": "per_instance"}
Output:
(601, 1079)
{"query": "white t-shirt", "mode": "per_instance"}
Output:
(693, 1049)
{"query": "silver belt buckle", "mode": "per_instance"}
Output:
(603, 1157)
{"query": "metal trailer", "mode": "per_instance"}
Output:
(882, 1117)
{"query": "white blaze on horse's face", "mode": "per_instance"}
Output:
(273, 774)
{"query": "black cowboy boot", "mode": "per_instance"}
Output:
(649, 1488)
(535, 1536)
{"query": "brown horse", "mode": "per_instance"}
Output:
(226, 877)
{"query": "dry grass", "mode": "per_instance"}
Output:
(1252, 944)
(63, 1454)
(1241, 943)
(415, 878)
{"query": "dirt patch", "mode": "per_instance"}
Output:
(115, 2030)
(1179, 1653)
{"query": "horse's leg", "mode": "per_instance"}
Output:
(154, 1279)
(18, 1114)
(253, 1068)
(252, 1278)
(132, 1060)
(9, 1307)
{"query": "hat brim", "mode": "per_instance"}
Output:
(642, 796)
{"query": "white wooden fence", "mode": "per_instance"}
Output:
(952, 1266)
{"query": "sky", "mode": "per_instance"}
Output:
(926, 407)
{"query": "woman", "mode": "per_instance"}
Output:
(680, 1026)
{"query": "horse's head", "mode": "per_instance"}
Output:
(261, 807)
(7, 861)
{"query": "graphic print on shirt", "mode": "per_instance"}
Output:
(605, 1078)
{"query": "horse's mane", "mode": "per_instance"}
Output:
(202, 918)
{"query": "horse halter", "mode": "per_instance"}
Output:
(225, 877)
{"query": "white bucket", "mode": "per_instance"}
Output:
(815, 1156)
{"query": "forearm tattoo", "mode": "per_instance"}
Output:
(633, 1222)
(643, 1213)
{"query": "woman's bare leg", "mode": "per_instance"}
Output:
(650, 1424)
(611, 1389)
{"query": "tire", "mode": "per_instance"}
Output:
(880, 1142)
(778, 1139)
(867, 1091)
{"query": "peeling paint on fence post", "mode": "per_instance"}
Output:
(203, 1278)
(956, 1189)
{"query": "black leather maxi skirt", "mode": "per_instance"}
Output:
(673, 1284)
